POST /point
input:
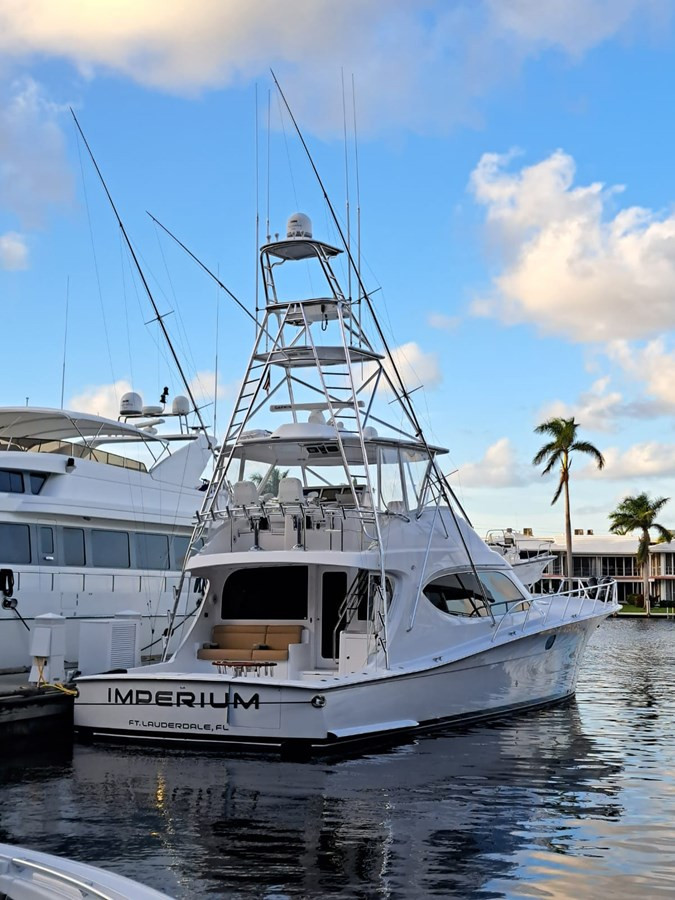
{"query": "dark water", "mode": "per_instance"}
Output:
(571, 802)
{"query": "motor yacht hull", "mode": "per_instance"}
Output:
(530, 571)
(516, 674)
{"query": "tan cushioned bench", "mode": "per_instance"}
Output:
(241, 642)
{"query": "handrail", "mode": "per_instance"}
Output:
(78, 883)
(599, 593)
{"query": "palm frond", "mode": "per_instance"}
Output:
(665, 534)
(591, 450)
(547, 449)
(558, 490)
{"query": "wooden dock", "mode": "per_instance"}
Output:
(27, 711)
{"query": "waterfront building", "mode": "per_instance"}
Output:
(614, 556)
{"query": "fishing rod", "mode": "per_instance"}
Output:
(158, 315)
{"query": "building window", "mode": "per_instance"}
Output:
(110, 549)
(655, 567)
(14, 543)
(668, 562)
(73, 547)
(621, 566)
(584, 566)
(152, 551)
(11, 482)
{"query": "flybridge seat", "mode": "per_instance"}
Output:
(291, 493)
(243, 642)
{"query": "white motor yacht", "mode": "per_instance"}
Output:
(347, 596)
(529, 556)
(95, 518)
(31, 875)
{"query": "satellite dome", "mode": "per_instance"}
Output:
(180, 406)
(299, 226)
(131, 404)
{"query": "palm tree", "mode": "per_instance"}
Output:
(638, 514)
(563, 443)
(272, 485)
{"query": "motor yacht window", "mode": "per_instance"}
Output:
(461, 594)
(37, 481)
(152, 551)
(14, 543)
(11, 482)
(110, 549)
(46, 541)
(266, 593)
(73, 547)
(180, 548)
(389, 482)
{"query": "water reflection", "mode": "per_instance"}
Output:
(553, 804)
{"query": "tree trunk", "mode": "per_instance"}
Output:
(645, 577)
(568, 532)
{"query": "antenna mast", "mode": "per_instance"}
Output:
(65, 340)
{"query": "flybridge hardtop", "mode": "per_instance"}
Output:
(346, 594)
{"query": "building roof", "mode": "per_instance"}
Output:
(606, 545)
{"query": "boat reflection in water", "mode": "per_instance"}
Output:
(440, 816)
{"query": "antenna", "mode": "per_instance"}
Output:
(257, 209)
(158, 316)
(267, 221)
(215, 386)
(344, 129)
(65, 339)
(358, 188)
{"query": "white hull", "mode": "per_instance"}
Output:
(509, 676)
(30, 875)
(530, 571)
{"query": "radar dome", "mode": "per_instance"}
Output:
(299, 226)
(131, 404)
(180, 406)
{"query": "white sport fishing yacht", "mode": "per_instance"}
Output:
(89, 529)
(347, 596)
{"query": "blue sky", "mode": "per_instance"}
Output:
(516, 192)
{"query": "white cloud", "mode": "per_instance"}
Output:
(33, 170)
(574, 25)
(653, 365)
(499, 468)
(569, 266)
(203, 387)
(415, 366)
(442, 322)
(101, 399)
(407, 55)
(596, 409)
(13, 251)
(647, 460)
